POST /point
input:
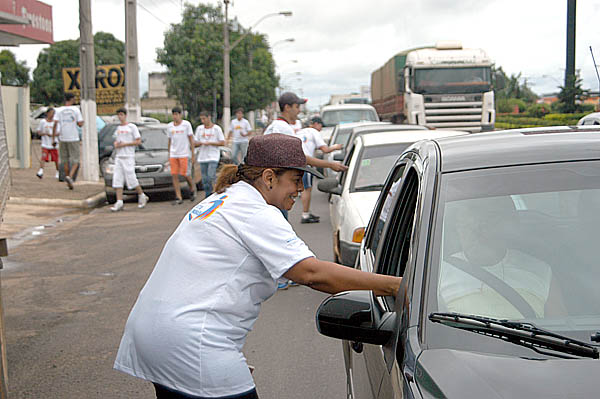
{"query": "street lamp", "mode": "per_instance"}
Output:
(291, 40)
(226, 50)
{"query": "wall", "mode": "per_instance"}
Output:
(18, 137)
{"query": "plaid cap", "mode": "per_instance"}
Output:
(277, 151)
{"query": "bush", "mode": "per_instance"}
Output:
(538, 110)
(161, 117)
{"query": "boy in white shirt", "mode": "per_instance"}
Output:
(49, 142)
(208, 138)
(181, 147)
(240, 129)
(127, 137)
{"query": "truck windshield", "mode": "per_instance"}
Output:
(332, 118)
(452, 80)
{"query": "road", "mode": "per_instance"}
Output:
(68, 289)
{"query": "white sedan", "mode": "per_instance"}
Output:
(355, 192)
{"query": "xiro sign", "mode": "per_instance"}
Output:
(110, 86)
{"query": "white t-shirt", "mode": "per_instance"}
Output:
(311, 140)
(126, 134)
(189, 324)
(280, 126)
(67, 118)
(207, 153)
(180, 142)
(239, 127)
(297, 126)
(46, 127)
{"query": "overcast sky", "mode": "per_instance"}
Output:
(338, 43)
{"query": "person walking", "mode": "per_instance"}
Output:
(187, 329)
(181, 148)
(49, 142)
(240, 129)
(311, 140)
(208, 138)
(67, 119)
(127, 138)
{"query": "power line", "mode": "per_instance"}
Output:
(151, 13)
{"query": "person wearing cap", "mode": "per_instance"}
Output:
(189, 324)
(240, 129)
(311, 140)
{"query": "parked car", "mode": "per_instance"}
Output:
(152, 166)
(495, 236)
(355, 191)
(333, 115)
(590, 119)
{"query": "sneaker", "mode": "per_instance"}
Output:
(118, 206)
(178, 201)
(40, 173)
(283, 285)
(142, 200)
(193, 196)
(69, 182)
(310, 219)
(293, 283)
(57, 176)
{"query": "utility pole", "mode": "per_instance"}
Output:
(89, 158)
(132, 80)
(226, 83)
(570, 68)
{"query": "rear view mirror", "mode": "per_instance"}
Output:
(338, 157)
(330, 185)
(355, 316)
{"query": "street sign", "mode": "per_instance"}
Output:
(110, 86)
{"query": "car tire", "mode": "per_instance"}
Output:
(111, 197)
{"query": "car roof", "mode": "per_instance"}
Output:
(406, 136)
(384, 127)
(593, 115)
(345, 106)
(352, 125)
(519, 147)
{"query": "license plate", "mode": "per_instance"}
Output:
(146, 181)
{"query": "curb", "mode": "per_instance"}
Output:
(90, 202)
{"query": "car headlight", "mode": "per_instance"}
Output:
(358, 234)
(166, 167)
(109, 168)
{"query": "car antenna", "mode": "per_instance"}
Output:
(597, 75)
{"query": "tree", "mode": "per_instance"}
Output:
(193, 54)
(14, 73)
(47, 87)
(571, 95)
(506, 87)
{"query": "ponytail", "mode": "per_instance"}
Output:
(231, 174)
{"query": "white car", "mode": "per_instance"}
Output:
(355, 192)
(333, 115)
(590, 119)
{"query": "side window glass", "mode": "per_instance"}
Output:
(396, 241)
(384, 210)
(343, 175)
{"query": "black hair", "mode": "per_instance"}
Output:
(123, 110)
(69, 96)
(176, 109)
(205, 113)
(239, 110)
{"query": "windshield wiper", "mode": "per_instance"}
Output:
(370, 187)
(524, 334)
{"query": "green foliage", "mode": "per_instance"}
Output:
(571, 95)
(507, 105)
(509, 87)
(14, 73)
(47, 87)
(193, 54)
(538, 110)
(513, 121)
(161, 117)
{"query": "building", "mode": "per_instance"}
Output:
(158, 100)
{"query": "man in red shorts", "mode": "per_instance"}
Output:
(49, 142)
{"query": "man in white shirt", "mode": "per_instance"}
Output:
(209, 137)
(181, 148)
(240, 129)
(311, 140)
(67, 119)
(127, 137)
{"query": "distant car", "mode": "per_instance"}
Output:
(333, 115)
(590, 119)
(495, 236)
(152, 166)
(354, 192)
(106, 139)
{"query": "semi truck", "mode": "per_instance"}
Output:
(441, 86)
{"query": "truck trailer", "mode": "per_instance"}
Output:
(441, 86)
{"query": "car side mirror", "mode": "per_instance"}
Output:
(338, 156)
(355, 316)
(330, 185)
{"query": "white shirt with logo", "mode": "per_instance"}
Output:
(67, 118)
(126, 134)
(208, 153)
(311, 140)
(239, 127)
(180, 142)
(47, 127)
(189, 324)
(280, 126)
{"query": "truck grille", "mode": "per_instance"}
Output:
(462, 112)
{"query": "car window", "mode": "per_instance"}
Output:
(374, 166)
(107, 135)
(153, 139)
(342, 136)
(343, 175)
(332, 118)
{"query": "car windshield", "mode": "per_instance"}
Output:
(520, 243)
(342, 135)
(336, 117)
(153, 140)
(374, 165)
(452, 80)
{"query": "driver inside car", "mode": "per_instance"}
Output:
(482, 228)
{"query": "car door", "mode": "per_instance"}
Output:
(365, 365)
(336, 202)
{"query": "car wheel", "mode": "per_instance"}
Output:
(111, 197)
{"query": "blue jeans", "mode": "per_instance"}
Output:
(241, 147)
(209, 173)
